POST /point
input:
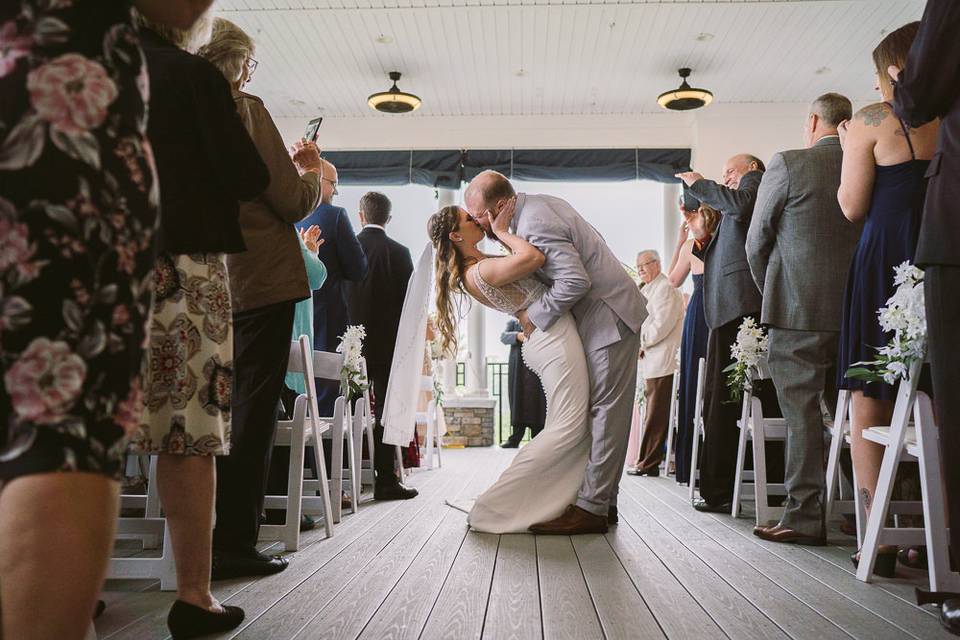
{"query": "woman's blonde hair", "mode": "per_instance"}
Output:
(893, 50)
(449, 271)
(190, 40)
(711, 218)
(228, 49)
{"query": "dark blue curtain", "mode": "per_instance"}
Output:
(444, 168)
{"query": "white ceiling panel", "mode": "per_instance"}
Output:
(553, 57)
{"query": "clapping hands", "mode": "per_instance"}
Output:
(311, 238)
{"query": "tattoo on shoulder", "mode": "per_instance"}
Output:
(873, 115)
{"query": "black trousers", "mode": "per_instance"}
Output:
(941, 286)
(385, 454)
(518, 430)
(261, 344)
(718, 463)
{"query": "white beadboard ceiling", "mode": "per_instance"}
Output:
(553, 57)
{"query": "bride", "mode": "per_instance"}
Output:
(546, 474)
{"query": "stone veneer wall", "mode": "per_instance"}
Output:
(468, 426)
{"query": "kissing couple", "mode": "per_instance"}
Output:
(581, 313)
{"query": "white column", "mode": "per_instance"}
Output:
(671, 221)
(476, 352)
(446, 198)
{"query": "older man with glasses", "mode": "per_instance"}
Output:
(659, 340)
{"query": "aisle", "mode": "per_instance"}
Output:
(412, 570)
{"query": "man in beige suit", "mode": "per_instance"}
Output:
(659, 341)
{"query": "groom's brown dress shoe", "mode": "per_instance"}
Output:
(573, 521)
(777, 533)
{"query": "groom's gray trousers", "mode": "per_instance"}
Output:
(613, 388)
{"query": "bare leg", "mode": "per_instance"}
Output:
(187, 487)
(56, 535)
(867, 456)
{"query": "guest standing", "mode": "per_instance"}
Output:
(799, 247)
(193, 124)
(929, 88)
(701, 224)
(345, 262)
(884, 161)
(78, 219)
(528, 405)
(659, 341)
(729, 296)
(376, 302)
(266, 281)
(310, 243)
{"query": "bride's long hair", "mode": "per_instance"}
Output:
(449, 271)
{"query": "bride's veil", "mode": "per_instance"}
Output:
(400, 405)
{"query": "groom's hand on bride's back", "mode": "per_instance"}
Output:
(528, 327)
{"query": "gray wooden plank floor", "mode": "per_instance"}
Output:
(412, 570)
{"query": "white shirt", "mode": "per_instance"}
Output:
(374, 226)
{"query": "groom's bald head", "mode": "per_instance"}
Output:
(484, 191)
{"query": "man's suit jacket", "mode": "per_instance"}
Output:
(376, 302)
(929, 87)
(662, 330)
(728, 288)
(343, 256)
(800, 244)
(583, 274)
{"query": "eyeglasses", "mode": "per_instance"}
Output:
(334, 183)
(643, 264)
(251, 67)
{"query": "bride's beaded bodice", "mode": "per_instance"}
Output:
(510, 298)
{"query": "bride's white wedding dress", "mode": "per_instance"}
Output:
(546, 474)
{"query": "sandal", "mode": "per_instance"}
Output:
(913, 557)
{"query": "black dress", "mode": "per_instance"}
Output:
(889, 238)
(692, 348)
(78, 216)
(528, 405)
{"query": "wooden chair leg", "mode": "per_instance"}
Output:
(694, 459)
(836, 450)
(741, 458)
(291, 527)
(765, 513)
(324, 483)
(153, 493)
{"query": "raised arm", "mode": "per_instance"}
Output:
(732, 203)
(930, 83)
(680, 266)
(859, 166)
(762, 235)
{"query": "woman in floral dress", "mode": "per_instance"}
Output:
(78, 213)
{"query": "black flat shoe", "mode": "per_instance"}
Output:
(950, 616)
(510, 444)
(885, 566)
(243, 564)
(705, 507)
(394, 491)
(99, 608)
(189, 621)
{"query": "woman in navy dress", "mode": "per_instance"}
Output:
(883, 184)
(701, 223)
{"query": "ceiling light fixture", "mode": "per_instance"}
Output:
(684, 97)
(394, 100)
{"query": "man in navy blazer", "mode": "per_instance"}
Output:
(344, 259)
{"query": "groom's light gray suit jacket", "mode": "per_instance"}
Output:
(583, 274)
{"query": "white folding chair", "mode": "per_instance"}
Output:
(757, 428)
(328, 366)
(672, 423)
(432, 441)
(305, 427)
(363, 423)
(697, 427)
(920, 443)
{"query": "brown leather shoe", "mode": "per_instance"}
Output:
(573, 521)
(777, 533)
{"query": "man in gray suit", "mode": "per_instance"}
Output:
(799, 246)
(585, 278)
(729, 295)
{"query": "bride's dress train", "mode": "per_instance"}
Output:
(546, 474)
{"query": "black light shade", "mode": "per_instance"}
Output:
(684, 97)
(394, 100)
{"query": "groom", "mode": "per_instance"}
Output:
(585, 278)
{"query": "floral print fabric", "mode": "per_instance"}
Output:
(78, 215)
(190, 362)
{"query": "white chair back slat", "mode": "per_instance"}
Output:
(672, 420)
(326, 365)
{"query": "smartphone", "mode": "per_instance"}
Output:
(313, 130)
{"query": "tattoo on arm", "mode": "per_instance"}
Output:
(873, 115)
(866, 498)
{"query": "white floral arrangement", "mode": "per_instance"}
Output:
(905, 315)
(747, 352)
(352, 380)
(641, 393)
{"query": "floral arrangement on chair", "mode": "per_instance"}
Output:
(747, 352)
(352, 380)
(904, 314)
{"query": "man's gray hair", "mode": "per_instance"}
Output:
(649, 252)
(833, 108)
